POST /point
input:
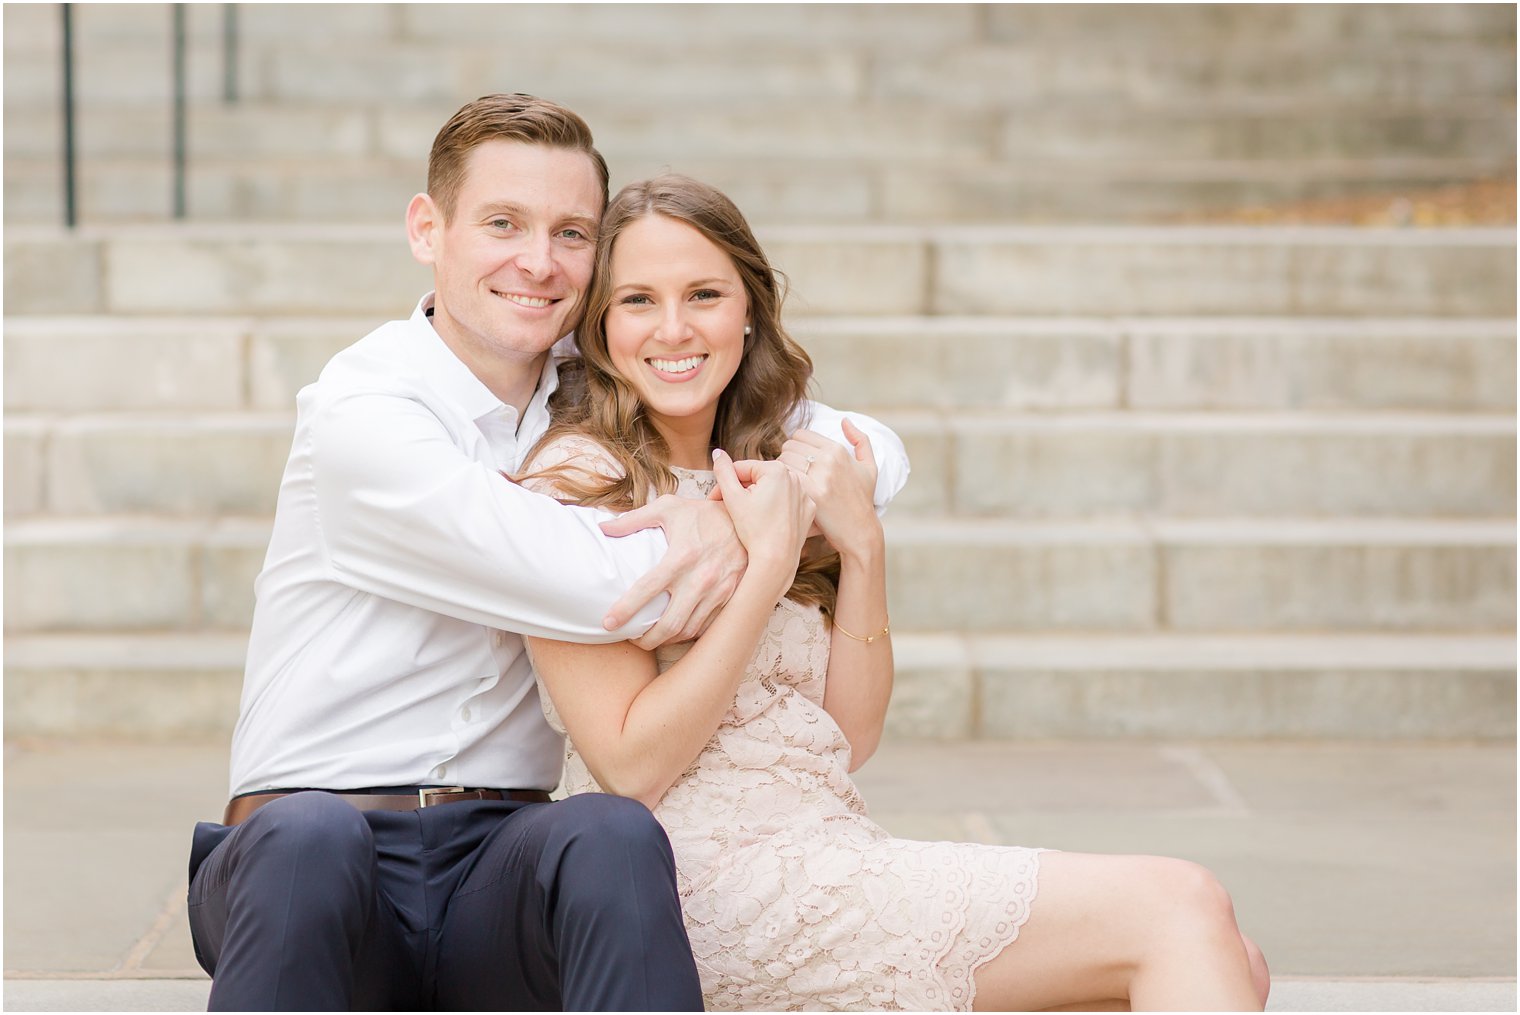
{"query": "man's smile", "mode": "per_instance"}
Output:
(523, 300)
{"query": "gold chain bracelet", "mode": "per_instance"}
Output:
(886, 629)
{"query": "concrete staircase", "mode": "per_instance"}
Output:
(804, 113)
(1170, 481)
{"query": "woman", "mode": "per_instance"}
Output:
(741, 741)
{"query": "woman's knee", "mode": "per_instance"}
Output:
(1190, 898)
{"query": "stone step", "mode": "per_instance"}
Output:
(948, 686)
(132, 574)
(1000, 464)
(1162, 364)
(116, 190)
(296, 269)
(187, 465)
(971, 576)
(979, 73)
(1202, 575)
(405, 132)
(950, 52)
(169, 364)
(1304, 686)
(271, 26)
(121, 363)
(1310, 994)
(1111, 191)
(900, 131)
(902, 27)
(771, 191)
(1103, 68)
(1246, 27)
(1205, 465)
(144, 686)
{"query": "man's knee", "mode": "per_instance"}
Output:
(308, 830)
(615, 823)
(312, 817)
(612, 892)
(608, 837)
(299, 869)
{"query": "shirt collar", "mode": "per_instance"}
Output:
(447, 374)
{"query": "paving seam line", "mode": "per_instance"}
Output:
(171, 910)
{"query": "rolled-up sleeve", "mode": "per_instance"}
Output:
(892, 466)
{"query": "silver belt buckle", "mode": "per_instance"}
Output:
(425, 796)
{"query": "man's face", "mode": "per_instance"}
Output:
(512, 264)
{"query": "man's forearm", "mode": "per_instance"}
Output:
(409, 518)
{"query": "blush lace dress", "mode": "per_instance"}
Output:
(794, 899)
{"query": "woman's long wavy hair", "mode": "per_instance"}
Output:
(764, 395)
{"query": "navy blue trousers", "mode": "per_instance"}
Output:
(484, 905)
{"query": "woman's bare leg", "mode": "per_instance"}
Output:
(1261, 980)
(1152, 932)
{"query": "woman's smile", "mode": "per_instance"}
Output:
(677, 370)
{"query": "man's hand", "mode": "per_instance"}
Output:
(701, 569)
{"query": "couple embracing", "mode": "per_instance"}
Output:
(648, 566)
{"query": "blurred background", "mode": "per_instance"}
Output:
(1198, 322)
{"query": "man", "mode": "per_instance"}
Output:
(390, 843)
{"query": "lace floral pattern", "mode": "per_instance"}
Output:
(794, 899)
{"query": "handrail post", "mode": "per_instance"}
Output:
(70, 208)
(179, 110)
(229, 53)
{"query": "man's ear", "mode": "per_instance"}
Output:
(424, 228)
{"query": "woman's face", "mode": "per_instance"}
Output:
(675, 327)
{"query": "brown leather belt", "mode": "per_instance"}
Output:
(239, 808)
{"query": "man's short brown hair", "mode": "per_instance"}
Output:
(517, 117)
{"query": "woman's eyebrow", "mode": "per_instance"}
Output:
(714, 280)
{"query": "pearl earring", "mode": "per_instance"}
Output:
(746, 331)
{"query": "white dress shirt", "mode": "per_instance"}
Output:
(404, 569)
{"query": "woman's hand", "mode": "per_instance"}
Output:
(841, 483)
(771, 514)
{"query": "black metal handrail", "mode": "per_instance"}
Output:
(70, 213)
(178, 59)
(229, 53)
(179, 144)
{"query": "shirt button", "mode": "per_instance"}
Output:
(440, 772)
(464, 713)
